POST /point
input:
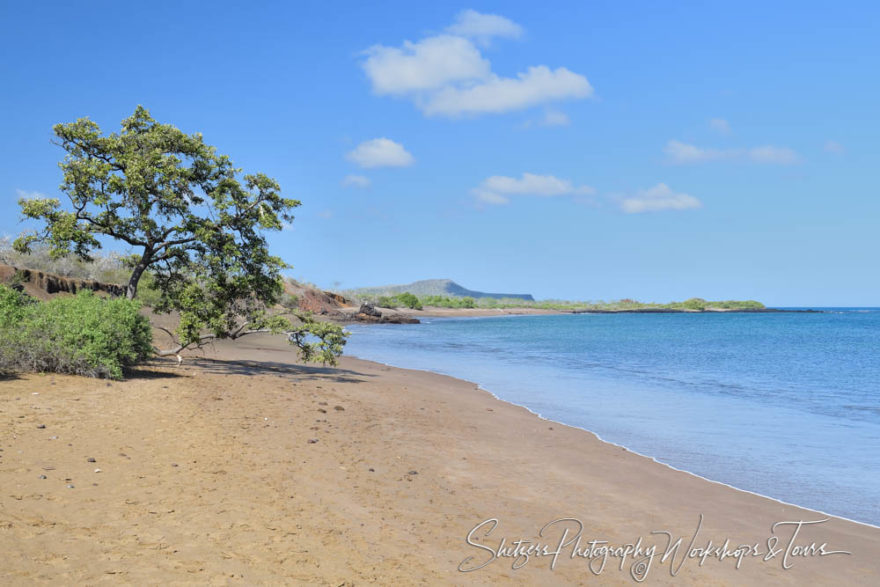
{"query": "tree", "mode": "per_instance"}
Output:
(191, 220)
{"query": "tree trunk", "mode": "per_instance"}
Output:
(132, 288)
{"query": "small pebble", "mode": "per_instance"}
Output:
(91, 459)
(97, 470)
(43, 477)
(371, 470)
(175, 464)
(413, 472)
(70, 486)
(339, 408)
(41, 426)
(313, 440)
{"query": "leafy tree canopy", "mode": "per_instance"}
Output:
(190, 218)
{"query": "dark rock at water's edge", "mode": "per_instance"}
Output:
(369, 313)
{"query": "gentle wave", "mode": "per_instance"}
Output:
(782, 405)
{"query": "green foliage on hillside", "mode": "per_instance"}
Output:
(452, 302)
(81, 335)
(404, 300)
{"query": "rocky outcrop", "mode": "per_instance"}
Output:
(369, 313)
(370, 310)
(40, 284)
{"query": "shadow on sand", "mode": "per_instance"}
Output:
(301, 372)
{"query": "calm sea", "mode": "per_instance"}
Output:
(785, 405)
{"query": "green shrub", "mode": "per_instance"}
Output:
(81, 335)
(386, 302)
(408, 300)
(694, 304)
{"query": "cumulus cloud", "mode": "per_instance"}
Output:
(658, 198)
(497, 189)
(355, 181)
(679, 152)
(381, 152)
(720, 126)
(426, 65)
(474, 25)
(536, 86)
(683, 153)
(446, 75)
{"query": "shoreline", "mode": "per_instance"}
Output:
(435, 312)
(617, 445)
(209, 473)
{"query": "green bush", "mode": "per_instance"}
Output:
(81, 335)
(694, 304)
(449, 302)
(408, 300)
(405, 300)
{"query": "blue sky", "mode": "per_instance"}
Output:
(578, 150)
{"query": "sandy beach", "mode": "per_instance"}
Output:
(243, 467)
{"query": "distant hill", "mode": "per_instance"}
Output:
(435, 287)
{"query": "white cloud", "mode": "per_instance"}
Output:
(834, 147)
(679, 152)
(773, 155)
(355, 181)
(428, 64)
(720, 125)
(497, 188)
(537, 85)
(381, 152)
(682, 153)
(446, 75)
(658, 198)
(474, 25)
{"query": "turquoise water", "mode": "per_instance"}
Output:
(785, 405)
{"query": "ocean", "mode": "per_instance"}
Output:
(785, 405)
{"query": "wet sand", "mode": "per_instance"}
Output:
(243, 467)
